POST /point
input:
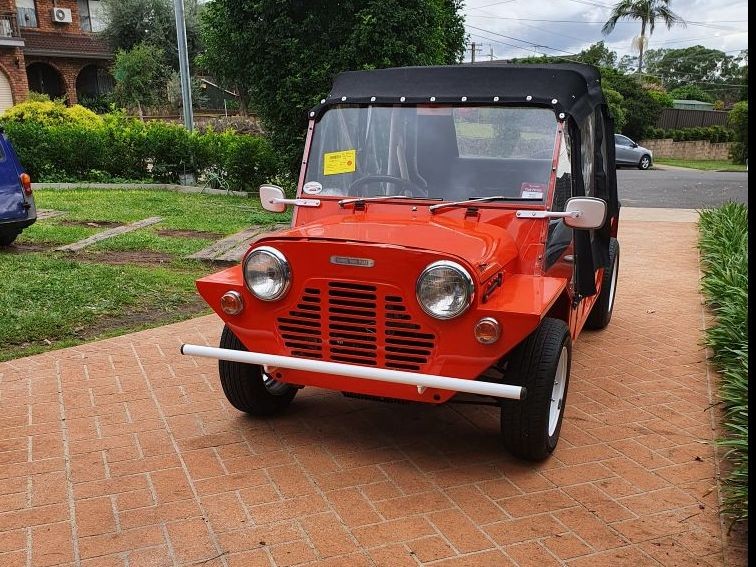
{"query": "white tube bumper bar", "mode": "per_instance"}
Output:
(421, 381)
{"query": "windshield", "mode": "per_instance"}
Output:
(432, 152)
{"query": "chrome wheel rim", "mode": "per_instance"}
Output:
(645, 163)
(557, 391)
(613, 285)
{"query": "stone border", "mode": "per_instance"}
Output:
(142, 186)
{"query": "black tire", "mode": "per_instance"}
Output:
(245, 384)
(601, 312)
(8, 236)
(533, 364)
(645, 162)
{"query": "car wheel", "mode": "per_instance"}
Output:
(530, 427)
(601, 312)
(247, 387)
(645, 162)
(8, 236)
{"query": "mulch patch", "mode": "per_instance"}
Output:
(190, 234)
(122, 257)
(17, 248)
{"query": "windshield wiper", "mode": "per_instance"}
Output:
(434, 208)
(344, 202)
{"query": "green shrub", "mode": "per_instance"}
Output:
(56, 143)
(738, 121)
(724, 251)
(167, 148)
(49, 113)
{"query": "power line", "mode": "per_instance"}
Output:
(521, 40)
(593, 22)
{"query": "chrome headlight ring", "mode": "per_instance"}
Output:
(265, 262)
(444, 290)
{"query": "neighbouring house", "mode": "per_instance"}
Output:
(692, 104)
(50, 46)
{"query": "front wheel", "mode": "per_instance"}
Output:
(645, 162)
(247, 387)
(530, 427)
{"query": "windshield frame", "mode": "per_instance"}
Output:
(544, 203)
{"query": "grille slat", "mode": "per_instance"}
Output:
(356, 324)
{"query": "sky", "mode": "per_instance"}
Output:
(520, 28)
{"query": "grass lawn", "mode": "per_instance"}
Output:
(132, 281)
(706, 164)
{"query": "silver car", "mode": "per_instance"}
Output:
(628, 152)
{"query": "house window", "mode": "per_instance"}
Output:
(91, 15)
(26, 14)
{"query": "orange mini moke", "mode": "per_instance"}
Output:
(454, 230)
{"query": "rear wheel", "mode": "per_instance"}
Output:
(530, 427)
(247, 387)
(601, 312)
(645, 162)
(8, 236)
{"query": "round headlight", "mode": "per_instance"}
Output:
(444, 290)
(267, 273)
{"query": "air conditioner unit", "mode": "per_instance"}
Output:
(61, 15)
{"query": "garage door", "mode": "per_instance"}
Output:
(6, 95)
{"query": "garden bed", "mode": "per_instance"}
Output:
(724, 251)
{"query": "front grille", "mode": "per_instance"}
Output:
(356, 324)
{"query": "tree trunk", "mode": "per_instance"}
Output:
(641, 44)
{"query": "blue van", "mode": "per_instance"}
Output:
(17, 210)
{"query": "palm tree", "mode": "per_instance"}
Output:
(647, 11)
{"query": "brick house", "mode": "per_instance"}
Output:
(48, 46)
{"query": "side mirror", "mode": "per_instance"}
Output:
(270, 196)
(590, 212)
(633, 144)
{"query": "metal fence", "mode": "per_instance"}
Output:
(677, 118)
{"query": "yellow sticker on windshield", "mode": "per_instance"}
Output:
(339, 162)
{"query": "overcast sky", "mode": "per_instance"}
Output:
(520, 28)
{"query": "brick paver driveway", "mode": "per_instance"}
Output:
(123, 452)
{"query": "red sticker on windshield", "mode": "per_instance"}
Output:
(532, 190)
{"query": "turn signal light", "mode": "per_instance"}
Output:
(25, 183)
(231, 303)
(487, 331)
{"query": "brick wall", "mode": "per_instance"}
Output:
(699, 149)
(45, 21)
(12, 64)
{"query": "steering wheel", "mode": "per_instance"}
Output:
(405, 183)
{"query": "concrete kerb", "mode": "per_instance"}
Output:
(143, 186)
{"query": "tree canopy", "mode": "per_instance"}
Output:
(140, 76)
(647, 12)
(131, 22)
(282, 55)
(709, 70)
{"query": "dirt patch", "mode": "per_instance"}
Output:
(91, 223)
(21, 248)
(141, 319)
(135, 320)
(190, 234)
(121, 257)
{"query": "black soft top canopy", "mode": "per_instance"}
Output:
(570, 88)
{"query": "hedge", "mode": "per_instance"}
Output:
(713, 134)
(71, 147)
